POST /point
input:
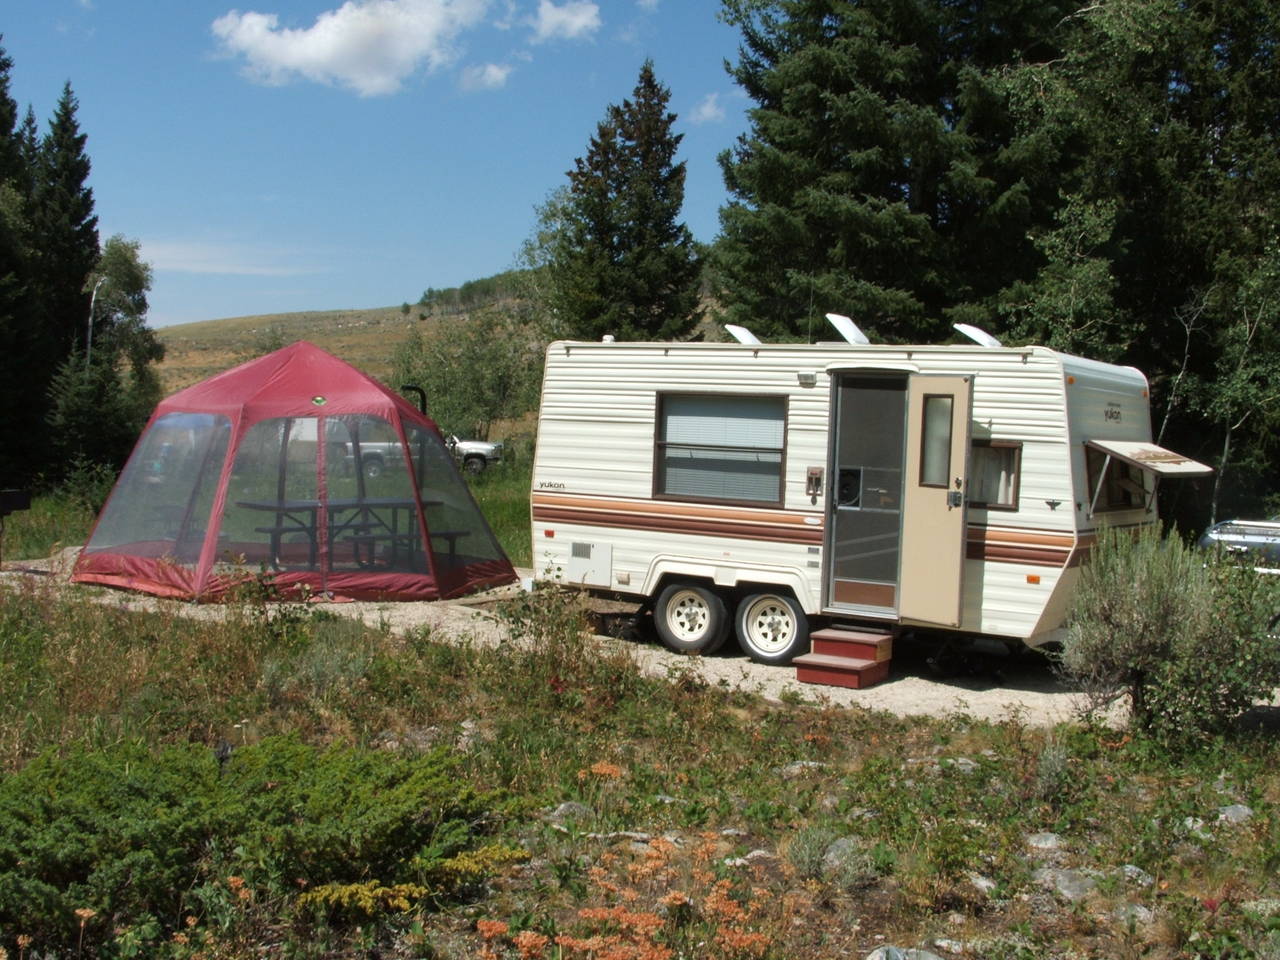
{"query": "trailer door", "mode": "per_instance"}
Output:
(933, 508)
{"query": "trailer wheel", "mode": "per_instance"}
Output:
(690, 618)
(772, 628)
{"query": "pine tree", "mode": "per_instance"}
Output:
(620, 260)
(14, 339)
(881, 176)
(1166, 248)
(67, 228)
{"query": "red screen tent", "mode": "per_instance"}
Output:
(298, 468)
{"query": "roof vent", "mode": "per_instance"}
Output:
(741, 334)
(848, 329)
(977, 335)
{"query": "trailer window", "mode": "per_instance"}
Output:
(995, 470)
(935, 451)
(720, 447)
(1122, 485)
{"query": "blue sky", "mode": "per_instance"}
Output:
(313, 154)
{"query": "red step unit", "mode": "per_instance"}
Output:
(846, 657)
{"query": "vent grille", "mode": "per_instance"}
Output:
(581, 551)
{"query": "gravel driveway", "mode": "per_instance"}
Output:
(996, 689)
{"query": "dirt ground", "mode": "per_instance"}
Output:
(991, 688)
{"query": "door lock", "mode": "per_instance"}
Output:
(955, 499)
(813, 482)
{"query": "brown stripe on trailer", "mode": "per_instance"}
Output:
(659, 517)
(1015, 545)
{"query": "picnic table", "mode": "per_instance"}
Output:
(374, 526)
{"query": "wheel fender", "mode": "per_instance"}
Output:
(732, 577)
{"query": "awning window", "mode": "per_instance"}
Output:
(1147, 456)
(1117, 467)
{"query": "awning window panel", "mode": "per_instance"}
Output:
(1153, 459)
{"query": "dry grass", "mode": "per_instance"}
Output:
(364, 338)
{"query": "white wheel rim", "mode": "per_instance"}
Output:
(688, 616)
(771, 626)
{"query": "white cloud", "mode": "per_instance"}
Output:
(648, 6)
(487, 76)
(184, 256)
(370, 46)
(571, 21)
(707, 111)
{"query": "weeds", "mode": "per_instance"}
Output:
(413, 794)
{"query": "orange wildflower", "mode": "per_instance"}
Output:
(490, 928)
(602, 769)
(531, 944)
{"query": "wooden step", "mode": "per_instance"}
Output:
(836, 671)
(854, 643)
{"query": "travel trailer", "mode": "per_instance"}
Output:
(858, 489)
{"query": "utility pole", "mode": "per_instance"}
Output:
(93, 298)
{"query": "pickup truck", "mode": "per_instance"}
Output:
(1260, 539)
(475, 456)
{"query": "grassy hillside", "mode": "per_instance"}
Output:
(364, 338)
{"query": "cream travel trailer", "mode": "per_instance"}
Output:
(837, 494)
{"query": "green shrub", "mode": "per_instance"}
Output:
(1178, 633)
(149, 839)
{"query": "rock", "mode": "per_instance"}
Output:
(1263, 909)
(761, 855)
(413, 738)
(1194, 827)
(1073, 885)
(736, 862)
(1133, 914)
(839, 852)
(984, 885)
(1044, 841)
(468, 734)
(665, 798)
(732, 832)
(962, 764)
(897, 953)
(799, 768)
(1137, 875)
(951, 946)
(1234, 813)
(571, 810)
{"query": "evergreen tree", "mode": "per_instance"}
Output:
(14, 339)
(10, 153)
(1165, 253)
(620, 261)
(882, 176)
(67, 228)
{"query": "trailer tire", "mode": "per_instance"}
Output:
(772, 628)
(690, 618)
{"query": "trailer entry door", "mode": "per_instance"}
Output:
(933, 507)
(864, 529)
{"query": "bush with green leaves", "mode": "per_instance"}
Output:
(1178, 633)
(142, 841)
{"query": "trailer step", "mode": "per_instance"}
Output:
(851, 657)
(854, 643)
(832, 671)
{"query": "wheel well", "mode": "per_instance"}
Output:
(746, 589)
(730, 594)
